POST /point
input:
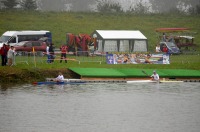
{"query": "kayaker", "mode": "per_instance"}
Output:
(60, 78)
(155, 76)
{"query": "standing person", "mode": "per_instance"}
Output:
(51, 52)
(4, 51)
(155, 76)
(63, 50)
(157, 48)
(10, 56)
(59, 78)
(48, 54)
(164, 37)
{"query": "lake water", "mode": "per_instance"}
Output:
(150, 107)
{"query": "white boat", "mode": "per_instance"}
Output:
(65, 80)
(150, 81)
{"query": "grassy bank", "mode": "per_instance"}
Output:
(60, 23)
(31, 72)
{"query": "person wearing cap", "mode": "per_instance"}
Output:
(155, 76)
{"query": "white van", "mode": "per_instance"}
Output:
(14, 37)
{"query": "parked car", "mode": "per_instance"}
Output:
(28, 46)
(172, 48)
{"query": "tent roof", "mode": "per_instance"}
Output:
(120, 34)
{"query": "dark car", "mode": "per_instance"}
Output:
(28, 46)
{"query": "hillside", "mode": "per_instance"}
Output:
(60, 23)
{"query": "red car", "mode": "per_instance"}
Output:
(28, 46)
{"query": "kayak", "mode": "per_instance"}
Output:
(58, 83)
(150, 81)
(65, 80)
(142, 81)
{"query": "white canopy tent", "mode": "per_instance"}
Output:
(120, 41)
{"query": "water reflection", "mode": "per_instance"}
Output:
(101, 107)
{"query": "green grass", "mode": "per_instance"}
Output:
(60, 23)
(176, 62)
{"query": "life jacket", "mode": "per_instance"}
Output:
(64, 49)
(165, 49)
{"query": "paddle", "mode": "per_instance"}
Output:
(145, 73)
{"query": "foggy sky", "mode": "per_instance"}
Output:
(90, 5)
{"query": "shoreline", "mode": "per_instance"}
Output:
(20, 76)
(13, 75)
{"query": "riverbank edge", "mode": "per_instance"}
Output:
(20, 76)
(13, 75)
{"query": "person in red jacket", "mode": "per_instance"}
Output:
(165, 49)
(3, 52)
(63, 50)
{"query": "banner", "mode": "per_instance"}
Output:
(137, 59)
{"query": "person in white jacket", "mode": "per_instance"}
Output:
(155, 76)
(10, 55)
(59, 78)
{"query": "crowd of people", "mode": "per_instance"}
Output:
(51, 54)
(7, 55)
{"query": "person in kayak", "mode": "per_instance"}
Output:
(155, 76)
(59, 78)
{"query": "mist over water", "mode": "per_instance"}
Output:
(101, 107)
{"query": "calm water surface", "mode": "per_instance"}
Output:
(165, 107)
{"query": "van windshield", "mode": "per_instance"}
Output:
(4, 38)
(170, 44)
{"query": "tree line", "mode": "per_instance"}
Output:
(106, 6)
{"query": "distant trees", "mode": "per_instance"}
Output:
(166, 6)
(14, 4)
(9, 4)
(28, 4)
(195, 10)
(139, 8)
(105, 6)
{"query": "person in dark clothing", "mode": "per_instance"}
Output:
(51, 52)
(3, 52)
